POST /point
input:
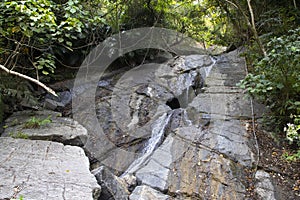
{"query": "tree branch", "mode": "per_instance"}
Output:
(254, 29)
(28, 78)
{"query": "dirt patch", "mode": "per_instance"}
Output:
(285, 174)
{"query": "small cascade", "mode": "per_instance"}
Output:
(208, 68)
(185, 83)
(158, 130)
(186, 118)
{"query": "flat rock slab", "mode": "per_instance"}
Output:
(60, 129)
(44, 170)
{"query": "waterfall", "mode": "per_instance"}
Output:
(158, 129)
(159, 126)
(208, 69)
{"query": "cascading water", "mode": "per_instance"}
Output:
(208, 68)
(193, 82)
(159, 126)
(158, 130)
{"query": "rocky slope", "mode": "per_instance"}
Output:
(175, 130)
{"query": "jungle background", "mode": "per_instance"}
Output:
(44, 41)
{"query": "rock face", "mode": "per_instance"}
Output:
(178, 127)
(33, 125)
(44, 170)
(206, 159)
(167, 130)
(142, 103)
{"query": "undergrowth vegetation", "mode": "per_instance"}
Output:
(275, 81)
(39, 38)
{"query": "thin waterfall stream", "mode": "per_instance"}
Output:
(158, 130)
(159, 126)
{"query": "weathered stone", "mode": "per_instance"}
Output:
(52, 104)
(130, 181)
(183, 136)
(44, 170)
(154, 175)
(60, 129)
(230, 138)
(113, 188)
(226, 103)
(181, 166)
(205, 160)
(264, 187)
(147, 193)
(59, 102)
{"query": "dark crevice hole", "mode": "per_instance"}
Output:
(173, 103)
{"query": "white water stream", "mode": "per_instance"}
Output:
(158, 130)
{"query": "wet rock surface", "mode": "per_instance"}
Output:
(44, 170)
(206, 160)
(141, 99)
(177, 127)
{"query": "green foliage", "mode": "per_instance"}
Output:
(292, 157)
(34, 122)
(37, 29)
(33, 36)
(293, 136)
(278, 20)
(18, 135)
(46, 63)
(292, 131)
(277, 79)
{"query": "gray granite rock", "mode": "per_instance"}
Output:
(130, 181)
(204, 160)
(58, 129)
(264, 186)
(190, 169)
(45, 170)
(147, 193)
(183, 136)
(113, 188)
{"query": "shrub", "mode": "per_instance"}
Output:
(276, 78)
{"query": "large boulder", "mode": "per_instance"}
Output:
(113, 188)
(45, 125)
(44, 170)
(178, 127)
(188, 169)
(136, 104)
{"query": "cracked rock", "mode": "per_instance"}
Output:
(113, 188)
(45, 170)
(58, 129)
